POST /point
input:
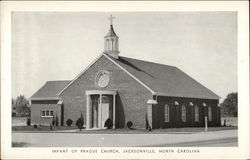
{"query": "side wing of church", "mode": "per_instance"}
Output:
(120, 89)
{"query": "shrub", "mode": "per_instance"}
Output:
(69, 122)
(35, 126)
(108, 123)
(28, 122)
(79, 122)
(57, 121)
(129, 124)
(53, 121)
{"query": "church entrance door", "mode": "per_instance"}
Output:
(100, 106)
(103, 106)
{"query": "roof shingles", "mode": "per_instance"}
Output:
(50, 89)
(161, 79)
(165, 80)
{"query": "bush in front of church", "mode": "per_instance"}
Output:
(79, 122)
(108, 123)
(129, 124)
(28, 122)
(57, 121)
(69, 122)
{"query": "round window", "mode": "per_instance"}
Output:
(102, 79)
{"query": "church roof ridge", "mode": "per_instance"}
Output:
(164, 79)
(58, 81)
(149, 62)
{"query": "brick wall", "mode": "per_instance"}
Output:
(130, 101)
(175, 112)
(36, 117)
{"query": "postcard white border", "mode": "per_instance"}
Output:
(240, 152)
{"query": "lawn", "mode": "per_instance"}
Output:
(19, 121)
(42, 128)
(74, 129)
(230, 121)
(20, 125)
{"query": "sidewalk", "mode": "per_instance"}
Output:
(125, 140)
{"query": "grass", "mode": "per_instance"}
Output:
(230, 121)
(19, 144)
(42, 128)
(156, 131)
(19, 121)
(121, 131)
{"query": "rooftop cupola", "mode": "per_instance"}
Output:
(111, 41)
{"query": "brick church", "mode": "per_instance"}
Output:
(124, 89)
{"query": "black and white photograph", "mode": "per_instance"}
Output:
(103, 80)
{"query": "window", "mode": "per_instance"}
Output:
(112, 44)
(43, 113)
(183, 113)
(51, 113)
(209, 113)
(196, 114)
(47, 113)
(166, 113)
(107, 44)
(105, 99)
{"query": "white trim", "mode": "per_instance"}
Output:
(176, 103)
(183, 96)
(81, 73)
(144, 85)
(60, 102)
(45, 98)
(191, 104)
(47, 116)
(151, 101)
(109, 92)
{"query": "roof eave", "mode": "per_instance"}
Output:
(45, 98)
(216, 97)
(81, 73)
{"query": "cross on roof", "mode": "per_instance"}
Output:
(111, 19)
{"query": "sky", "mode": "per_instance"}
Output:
(59, 45)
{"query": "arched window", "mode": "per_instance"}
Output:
(183, 113)
(112, 44)
(166, 115)
(105, 99)
(107, 44)
(209, 113)
(196, 114)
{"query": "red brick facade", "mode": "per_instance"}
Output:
(130, 100)
(38, 107)
(176, 111)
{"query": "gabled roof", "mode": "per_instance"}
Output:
(163, 79)
(111, 32)
(50, 90)
(159, 79)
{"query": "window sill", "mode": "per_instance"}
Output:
(46, 116)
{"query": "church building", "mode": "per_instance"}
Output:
(122, 89)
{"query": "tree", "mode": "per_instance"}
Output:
(13, 107)
(57, 120)
(22, 106)
(53, 121)
(230, 105)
